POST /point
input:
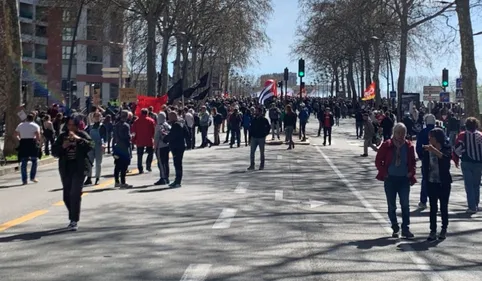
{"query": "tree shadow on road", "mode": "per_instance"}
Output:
(371, 243)
(420, 246)
(33, 235)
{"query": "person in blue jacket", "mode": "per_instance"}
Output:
(304, 116)
(247, 116)
(423, 139)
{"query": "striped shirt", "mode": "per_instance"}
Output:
(469, 147)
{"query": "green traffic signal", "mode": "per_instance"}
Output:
(445, 83)
(301, 74)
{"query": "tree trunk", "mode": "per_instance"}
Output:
(368, 65)
(185, 65)
(164, 62)
(468, 68)
(10, 70)
(343, 85)
(362, 73)
(151, 55)
(194, 64)
(177, 62)
(376, 73)
(351, 80)
(403, 69)
(337, 79)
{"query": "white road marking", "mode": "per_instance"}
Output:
(196, 272)
(241, 187)
(225, 218)
(298, 161)
(278, 195)
(279, 157)
(421, 263)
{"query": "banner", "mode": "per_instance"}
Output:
(127, 95)
(369, 93)
(146, 102)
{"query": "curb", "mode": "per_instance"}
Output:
(11, 169)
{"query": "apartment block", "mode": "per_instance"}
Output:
(47, 34)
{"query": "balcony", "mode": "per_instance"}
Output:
(41, 31)
(26, 28)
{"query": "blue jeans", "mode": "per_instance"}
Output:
(23, 168)
(401, 186)
(472, 173)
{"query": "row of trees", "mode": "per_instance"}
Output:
(348, 39)
(204, 34)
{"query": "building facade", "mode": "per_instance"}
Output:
(47, 33)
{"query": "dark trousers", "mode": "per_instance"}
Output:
(217, 139)
(303, 130)
(228, 132)
(163, 162)
(235, 136)
(189, 139)
(438, 192)
(49, 141)
(204, 136)
(140, 153)
(423, 191)
(359, 129)
(327, 133)
(177, 155)
(320, 126)
(120, 169)
(193, 137)
(247, 137)
(72, 183)
(401, 186)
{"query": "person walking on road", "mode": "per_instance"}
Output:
(468, 148)
(274, 116)
(235, 121)
(176, 138)
(422, 140)
(28, 133)
(143, 130)
(258, 131)
(98, 135)
(121, 150)
(369, 135)
(204, 123)
(218, 121)
(304, 116)
(328, 122)
(396, 165)
(72, 148)
(189, 118)
(436, 160)
(247, 116)
(290, 123)
(162, 149)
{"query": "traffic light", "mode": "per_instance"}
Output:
(445, 78)
(280, 84)
(286, 74)
(301, 68)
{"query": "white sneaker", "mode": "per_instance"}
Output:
(73, 226)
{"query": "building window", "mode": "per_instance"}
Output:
(94, 53)
(41, 31)
(26, 10)
(26, 28)
(67, 33)
(41, 52)
(94, 69)
(92, 32)
(27, 50)
(66, 52)
(41, 13)
(41, 68)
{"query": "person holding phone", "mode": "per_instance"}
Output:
(72, 148)
(436, 158)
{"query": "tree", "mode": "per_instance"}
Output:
(10, 69)
(468, 68)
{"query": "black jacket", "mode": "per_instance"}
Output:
(84, 145)
(259, 128)
(332, 120)
(290, 119)
(177, 136)
(443, 165)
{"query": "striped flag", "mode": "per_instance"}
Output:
(266, 94)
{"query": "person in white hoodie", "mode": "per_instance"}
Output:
(162, 149)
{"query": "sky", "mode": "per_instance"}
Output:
(281, 29)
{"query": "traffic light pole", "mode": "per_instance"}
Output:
(301, 97)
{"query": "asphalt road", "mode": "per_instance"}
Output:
(315, 213)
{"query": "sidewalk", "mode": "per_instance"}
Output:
(14, 168)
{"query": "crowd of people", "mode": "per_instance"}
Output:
(80, 141)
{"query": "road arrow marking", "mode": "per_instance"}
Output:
(314, 203)
(196, 272)
(241, 187)
(278, 196)
(225, 218)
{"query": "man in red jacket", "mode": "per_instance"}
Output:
(143, 130)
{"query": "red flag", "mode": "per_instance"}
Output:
(145, 102)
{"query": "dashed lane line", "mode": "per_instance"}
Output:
(196, 272)
(241, 188)
(225, 218)
(420, 262)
